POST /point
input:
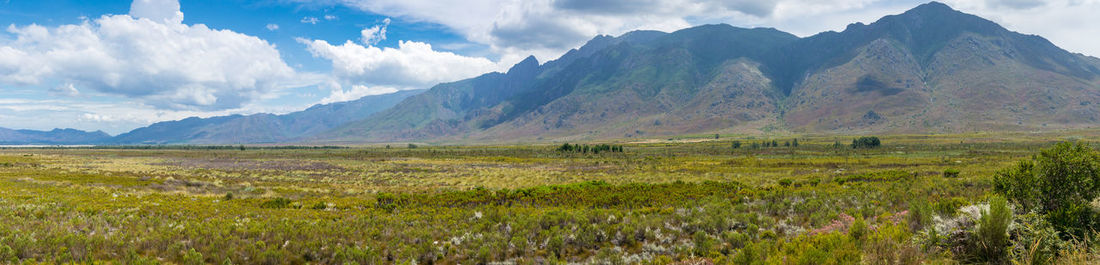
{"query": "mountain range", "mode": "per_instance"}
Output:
(931, 69)
(52, 137)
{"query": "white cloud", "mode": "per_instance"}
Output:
(375, 34)
(410, 65)
(356, 92)
(310, 20)
(272, 27)
(67, 89)
(151, 57)
(331, 17)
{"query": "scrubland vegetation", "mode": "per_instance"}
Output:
(1000, 199)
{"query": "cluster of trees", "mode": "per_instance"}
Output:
(766, 144)
(866, 142)
(595, 149)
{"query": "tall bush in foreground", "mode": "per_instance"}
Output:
(1059, 183)
(992, 233)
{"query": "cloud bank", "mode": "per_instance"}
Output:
(147, 55)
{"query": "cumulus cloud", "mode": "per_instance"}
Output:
(147, 55)
(357, 91)
(410, 65)
(272, 27)
(373, 35)
(310, 20)
(331, 17)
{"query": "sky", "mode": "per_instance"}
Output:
(119, 65)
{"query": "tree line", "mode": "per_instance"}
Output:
(584, 149)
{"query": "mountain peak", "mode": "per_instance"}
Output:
(932, 7)
(525, 66)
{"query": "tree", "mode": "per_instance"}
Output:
(794, 143)
(1059, 183)
(786, 144)
(866, 142)
(736, 144)
(775, 144)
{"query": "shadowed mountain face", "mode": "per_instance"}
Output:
(931, 69)
(261, 128)
(53, 137)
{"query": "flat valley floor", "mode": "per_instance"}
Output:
(689, 201)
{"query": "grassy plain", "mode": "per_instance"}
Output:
(680, 200)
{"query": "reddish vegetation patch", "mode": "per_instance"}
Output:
(844, 221)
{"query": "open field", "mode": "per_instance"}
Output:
(657, 202)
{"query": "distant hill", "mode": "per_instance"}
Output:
(53, 137)
(261, 128)
(930, 69)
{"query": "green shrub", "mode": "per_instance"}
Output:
(277, 203)
(950, 173)
(920, 215)
(1035, 241)
(1059, 183)
(950, 207)
(858, 230)
(703, 243)
(193, 257)
(7, 255)
(991, 237)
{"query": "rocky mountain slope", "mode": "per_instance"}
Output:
(930, 69)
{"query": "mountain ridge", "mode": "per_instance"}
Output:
(917, 71)
(51, 137)
(263, 127)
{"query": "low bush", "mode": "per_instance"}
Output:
(277, 203)
(950, 173)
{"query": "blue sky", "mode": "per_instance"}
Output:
(118, 65)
